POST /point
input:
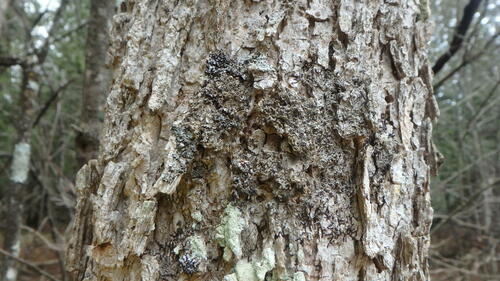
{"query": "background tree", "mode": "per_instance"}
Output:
(3, 10)
(31, 65)
(466, 195)
(262, 140)
(38, 63)
(97, 78)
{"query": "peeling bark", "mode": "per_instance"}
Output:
(262, 140)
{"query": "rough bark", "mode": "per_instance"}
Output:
(97, 79)
(262, 140)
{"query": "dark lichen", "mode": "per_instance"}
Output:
(189, 264)
(219, 63)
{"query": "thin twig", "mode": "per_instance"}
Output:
(44, 50)
(10, 61)
(473, 93)
(50, 101)
(464, 169)
(483, 108)
(49, 244)
(69, 32)
(29, 265)
(465, 62)
(465, 204)
(462, 270)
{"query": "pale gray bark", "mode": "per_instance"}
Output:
(262, 140)
(97, 79)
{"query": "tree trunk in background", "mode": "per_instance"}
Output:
(26, 113)
(4, 5)
(19, 171)
(97, 79)
(253, 140)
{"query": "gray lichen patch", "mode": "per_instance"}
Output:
(197, 247)
(228, 233)
(265, 264)
(197, 216)
(425, 10)
(299, 276)
(245, 271)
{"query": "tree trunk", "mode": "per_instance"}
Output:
(19, 170)
(262, 140)
(4, 6)
(97, 79)
(26, 115)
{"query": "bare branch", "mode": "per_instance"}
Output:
(43, 51)
(4, 154)
(40, 236)
(464, 169)
(10, 61)
(458, 38)
(29, 265)
(440, 261)
(490, 101)
(471, 200)
(69, 32)
(50, 101)
(465, 62)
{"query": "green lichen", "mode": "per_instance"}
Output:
(424, 10)
(255, 270)
(266, 264)
(245, 271)
(148, 206)
(197, 216)
(228, 232)
(197, 247)
(231, 277)
(299, 276)
(177, 249)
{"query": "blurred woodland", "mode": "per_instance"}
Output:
(53, 83)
